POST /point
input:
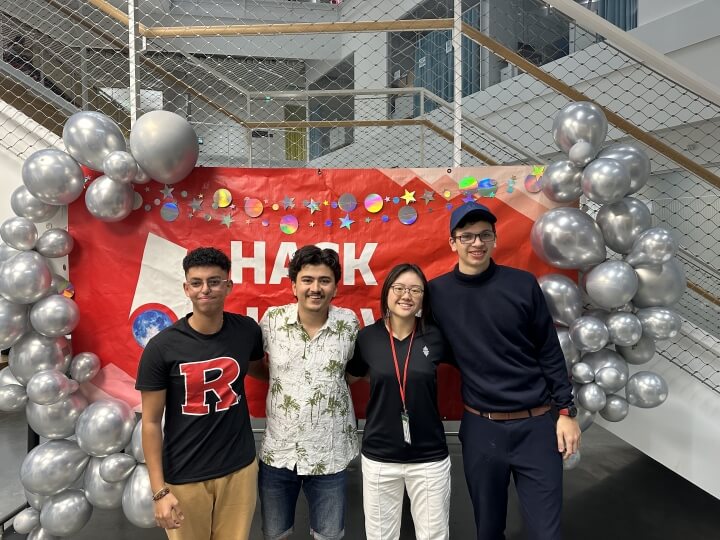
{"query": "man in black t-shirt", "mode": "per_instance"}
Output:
(204, 473)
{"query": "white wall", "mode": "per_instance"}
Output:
(650, 10)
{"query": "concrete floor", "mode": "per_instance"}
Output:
(616, 492)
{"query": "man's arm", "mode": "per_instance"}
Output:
(167, 509)
(258, 369)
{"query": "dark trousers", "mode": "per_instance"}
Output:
(527, 450)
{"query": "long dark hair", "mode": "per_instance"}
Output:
(425, 314)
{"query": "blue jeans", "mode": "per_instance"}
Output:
(279, 490)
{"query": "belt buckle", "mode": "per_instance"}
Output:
(489, 415)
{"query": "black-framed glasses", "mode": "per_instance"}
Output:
(399, 290)
(469, 238)
(212, 283)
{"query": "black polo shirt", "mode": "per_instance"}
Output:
(383, 439)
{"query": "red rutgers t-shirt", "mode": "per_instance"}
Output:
(207, 424)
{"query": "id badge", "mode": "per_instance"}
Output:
(406, 426)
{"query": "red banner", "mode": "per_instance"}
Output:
(128, 275)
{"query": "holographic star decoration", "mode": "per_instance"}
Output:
(428, 196)
(288, 202)
(538, 170)
(312, 223)
(326, 202)
(312, 206)
(408, 197)
(226, 220)
(196, 204)
(167, 192)
(368, 220)
(468, 197)
(346, 222)
(387, 199)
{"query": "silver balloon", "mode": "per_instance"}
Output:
(567, 238)
(659, 323)
(563, 298)
(570, 351)
(639, 353)
(52, 467)
(56, 421)
(606, 358)
(579, 121)
(589, 334)
(34, 352)
(653, 247)
(635, 160)
(561, 181)
(136, 447)
(7, 377)
(13, 322)
(25, 278)
(572, 461)
(117, 467)
(24, 204)
(137, 499)
(141, 177)
(89, 136)
(34, 500)
(581, 153)
(19, 233)
(625, 328)
(164, 145)
(55, 315)
(38, 533)
(610, 379)
(53, 177)
(599, 314)
(66, 513)
(49, 386)
(120, 167)
(105, 427)
(101, 494)
(109, 201)
(26, 521)
(584, 418)
(646, 389)
(582, 373)
(13, 397)
(616, 409)
(84, 366)
(54, 243)
(591, 397)
(622, 222)
(6, 252)
(611, 284)
(660, 285)
(605, 181)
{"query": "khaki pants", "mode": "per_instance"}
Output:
(218, 509)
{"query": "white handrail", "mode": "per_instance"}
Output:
(636, 49)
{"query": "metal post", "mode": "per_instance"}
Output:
(422, 128)
(457, 79)
(84, 78)
(249, 135)
(132, 60)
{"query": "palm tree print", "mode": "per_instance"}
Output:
(289, 404)
(275, 389)
(314, 400)
(335, 368)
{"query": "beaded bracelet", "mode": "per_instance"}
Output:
(161, 493)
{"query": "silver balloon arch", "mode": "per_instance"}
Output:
(630, 299)
(65, 479)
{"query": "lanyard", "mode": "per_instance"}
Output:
(402, 383)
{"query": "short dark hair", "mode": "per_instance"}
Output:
(313, 255)
(206, 256)
(470, 220)
(425, 314)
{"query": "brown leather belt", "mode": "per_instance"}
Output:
(514, 415)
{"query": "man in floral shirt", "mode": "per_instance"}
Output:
(311, 433)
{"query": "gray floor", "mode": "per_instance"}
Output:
(616, 492)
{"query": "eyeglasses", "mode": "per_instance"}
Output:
(469, 238)
(212, 283)
(399, 290)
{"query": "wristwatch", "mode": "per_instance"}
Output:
(570, 411)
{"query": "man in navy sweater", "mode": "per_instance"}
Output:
(513, 369)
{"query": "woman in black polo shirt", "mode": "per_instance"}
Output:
(404, 442)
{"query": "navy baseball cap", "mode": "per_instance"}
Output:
(480, 211)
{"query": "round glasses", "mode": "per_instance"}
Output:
(399, 290)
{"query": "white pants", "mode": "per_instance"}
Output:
(428, 487)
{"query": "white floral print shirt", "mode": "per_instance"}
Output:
(310, 417)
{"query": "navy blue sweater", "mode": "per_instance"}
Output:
(503, 339)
